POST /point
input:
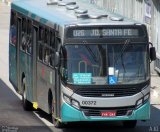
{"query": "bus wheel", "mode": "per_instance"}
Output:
(26, 104)
(55, 121)
(130, 124)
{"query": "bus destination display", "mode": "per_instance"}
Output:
(103, 33)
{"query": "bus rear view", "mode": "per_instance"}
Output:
(105, 74)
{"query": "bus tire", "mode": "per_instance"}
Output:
(130, 124)
(27, 106)
(55, 121)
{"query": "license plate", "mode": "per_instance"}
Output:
(108, 114)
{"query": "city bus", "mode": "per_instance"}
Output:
(78, 62)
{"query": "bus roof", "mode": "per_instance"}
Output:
(56, 14)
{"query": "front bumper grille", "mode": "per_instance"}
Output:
(110, 91)
(107, 92)
(120, 111)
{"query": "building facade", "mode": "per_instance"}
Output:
(145, 11)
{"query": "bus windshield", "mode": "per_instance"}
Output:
(104, 64)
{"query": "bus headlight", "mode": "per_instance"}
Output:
(146, 97)
(71, 101)
(139, 103)
(143, 100)
(75, 104)
(66, 99)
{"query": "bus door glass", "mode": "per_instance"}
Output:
(34, 60)
(12, 50)
(19, 29)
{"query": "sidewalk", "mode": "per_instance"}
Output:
(155, 89)
(4, 41)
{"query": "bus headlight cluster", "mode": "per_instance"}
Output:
(67, 99)
(70, 101)
(75, 104)
(141, 101)
(146, 97)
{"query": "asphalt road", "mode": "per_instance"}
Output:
(13, 117)
(12, 113)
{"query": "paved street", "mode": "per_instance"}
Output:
(12, 113)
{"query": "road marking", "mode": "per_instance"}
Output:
(47, 123)
(44, 120)
(156, 106)
(6, 10)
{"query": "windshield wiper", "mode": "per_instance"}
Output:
(103, 59)
(102, 53)
(92, 53)
(125, 45)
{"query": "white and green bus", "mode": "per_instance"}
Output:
(78, 62)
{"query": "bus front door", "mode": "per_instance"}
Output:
(19, 29)
(34, 63)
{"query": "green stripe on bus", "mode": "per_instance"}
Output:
(19, 9)
(140, 114)
(25, 12)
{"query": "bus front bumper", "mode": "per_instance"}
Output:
(71, 114)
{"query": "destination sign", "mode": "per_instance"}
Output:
(104, 33)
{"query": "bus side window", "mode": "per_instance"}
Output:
(29, 37)
(52, 45)
(40, 51)
(46, 47)
(40, 43)
(46, 55)
(52, 40)
(46, 37)
(24, 35)
(13, 29)
(51, 59)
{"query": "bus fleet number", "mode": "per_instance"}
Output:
(90, 103)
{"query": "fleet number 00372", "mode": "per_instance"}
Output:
(89, 103)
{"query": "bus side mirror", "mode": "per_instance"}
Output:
(152, 54)
(57, 59)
